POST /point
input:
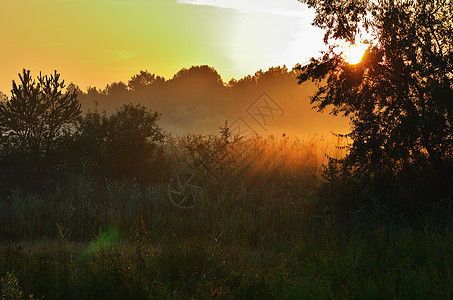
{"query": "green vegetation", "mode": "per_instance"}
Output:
(34, 127)
(383, 266)
(399, 98)
(110, 207)
(258, 229)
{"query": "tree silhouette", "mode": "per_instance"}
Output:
(399, 97)
(142, 82)
(124, 145)
(3, 97)
(35, 120)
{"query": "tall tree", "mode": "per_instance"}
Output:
(400, 96)
(36, 118)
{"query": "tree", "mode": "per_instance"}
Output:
(3, 97)
(142, 82)
(35, 121)
(399, 97)
(124, 145)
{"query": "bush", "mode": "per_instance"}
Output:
(127, 144)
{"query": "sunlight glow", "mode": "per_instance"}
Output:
(118, 38)
(353, 53)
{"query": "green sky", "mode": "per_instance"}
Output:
(95, 42)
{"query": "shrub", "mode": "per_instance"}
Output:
(127, 144)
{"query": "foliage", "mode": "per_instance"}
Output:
(34, 125)
(126, 144)
(399, 97)
(95, 237)
(248, 192)
(37, 113)
(387, 266)
(108, 230)
(9, 287)
(143, 81)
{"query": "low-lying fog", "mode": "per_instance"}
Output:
(197, 100)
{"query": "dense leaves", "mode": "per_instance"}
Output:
(44, 137)
(399, 97)
(124, 145)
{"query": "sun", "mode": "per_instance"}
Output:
(353, 53)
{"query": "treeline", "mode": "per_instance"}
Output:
(49, 130)
(44, 137)
(197, 100)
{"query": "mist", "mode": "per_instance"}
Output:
(198, 101)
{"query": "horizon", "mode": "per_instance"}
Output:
(35, 73)
(95, 43)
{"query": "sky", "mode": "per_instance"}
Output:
(96, 42)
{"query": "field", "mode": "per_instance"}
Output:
(230, 218)
(116, 188)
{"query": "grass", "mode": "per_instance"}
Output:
(407, 266)
(255, 232)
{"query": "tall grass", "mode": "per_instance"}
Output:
(255, 230)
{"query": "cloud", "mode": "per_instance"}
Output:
(290, 8)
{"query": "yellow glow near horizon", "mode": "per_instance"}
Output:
(96, 42)
(353, 53)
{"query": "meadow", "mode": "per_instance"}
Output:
(229, 217)
(107, 205)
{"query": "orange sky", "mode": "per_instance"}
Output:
(95, 42)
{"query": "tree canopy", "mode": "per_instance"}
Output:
(124, 145)
(35, 116)
(34, 124)
(400, 96)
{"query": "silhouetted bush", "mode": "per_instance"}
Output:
(127, 144)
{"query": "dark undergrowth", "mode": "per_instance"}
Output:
(255, 226)
(316, 266)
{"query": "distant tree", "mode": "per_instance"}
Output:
(196, 86)
(36, 119)
(93, 92)
(399, 97)
(142, 82)
(117, 89)
(73, 88)
(202, 73)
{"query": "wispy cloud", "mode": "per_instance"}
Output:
(291, 8)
